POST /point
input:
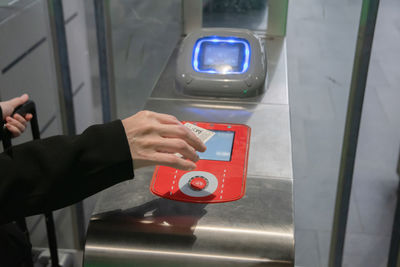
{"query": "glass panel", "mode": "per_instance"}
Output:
(144, 34)
(248, 14)
(375, 182)
(321, 38)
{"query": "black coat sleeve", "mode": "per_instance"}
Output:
(55, 172)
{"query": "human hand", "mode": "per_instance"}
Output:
(17, 123)
(154, 138)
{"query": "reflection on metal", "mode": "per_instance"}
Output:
(356, 98)
(192, 15)
(145, 230)
(106, 68)
(277, 17)
(244, 231)
(192, 256)
(216, 106)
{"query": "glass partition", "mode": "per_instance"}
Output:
(144, 34)
(322, 37)
(252, 15)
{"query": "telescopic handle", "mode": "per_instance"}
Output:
(29, 107)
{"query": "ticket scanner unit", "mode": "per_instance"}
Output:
(225, 63)
(216, 62)
(221, 62)
(236, 207)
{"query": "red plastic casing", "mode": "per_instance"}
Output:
(231, 175)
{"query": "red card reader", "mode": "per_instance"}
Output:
(221, 172)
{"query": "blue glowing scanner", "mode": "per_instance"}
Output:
(223, 55)
(221, 62)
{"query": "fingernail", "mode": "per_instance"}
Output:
(191, 168)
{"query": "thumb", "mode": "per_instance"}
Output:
(17, 101)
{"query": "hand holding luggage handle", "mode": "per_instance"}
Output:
(29, 107)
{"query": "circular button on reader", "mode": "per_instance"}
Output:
(198, 183)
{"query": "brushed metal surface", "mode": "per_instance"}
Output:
(132, 227)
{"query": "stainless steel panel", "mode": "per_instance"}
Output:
(130, 226)
(276, 86)
(270, 149)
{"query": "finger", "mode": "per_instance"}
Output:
(180, 131)
(15, 123)
(178, 146)
(20, 119)
(13, 130)
(173, 161)
(28, 116)
(167, 119)
(194, 141)
(17, 101)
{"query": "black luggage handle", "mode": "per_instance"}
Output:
(29, 107)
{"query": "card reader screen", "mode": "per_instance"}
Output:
(221, 55)
(219, 147)
(218, 54)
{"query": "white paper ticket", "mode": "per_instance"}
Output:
(203, 134)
